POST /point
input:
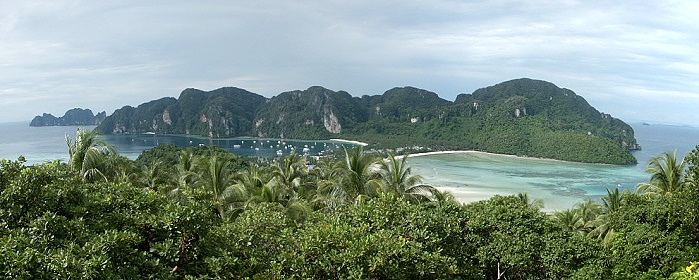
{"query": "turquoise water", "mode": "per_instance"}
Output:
(559, 184)
(469, 176)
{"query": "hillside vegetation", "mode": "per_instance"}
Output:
(520, 117)
(203, 213)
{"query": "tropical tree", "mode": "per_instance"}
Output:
(88, 156)
(569, 220)
(356, 175)
(289, 172)
(666, 175)
(443, 197)
(396, 179)
(155, 177)
(533, 203)
(217, 184)
(186, 172)
(612, 202)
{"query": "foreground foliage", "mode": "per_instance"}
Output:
(220, 216)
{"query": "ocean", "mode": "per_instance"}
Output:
(470, 177)
(40, 144)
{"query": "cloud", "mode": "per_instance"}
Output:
(111, 54)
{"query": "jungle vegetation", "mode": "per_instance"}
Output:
(520, 117)
(200, 212)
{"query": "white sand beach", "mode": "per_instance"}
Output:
(475, 152)
(349, 142)
(474, 175)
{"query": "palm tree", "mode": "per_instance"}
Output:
(534, 204)
(395, 179)
(570, 220)
(588, 211)
(612, 202)
(357, 176)
(88, 156)
(443, 197)
(186, 174)
(289, 173)
(666, 175)
(217, 184)
(264, 186)
(155, 176)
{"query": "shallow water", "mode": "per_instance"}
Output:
(477, 176)
(472, 176)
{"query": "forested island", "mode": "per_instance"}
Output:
(72, 117)
(522, 117)
(201, 212)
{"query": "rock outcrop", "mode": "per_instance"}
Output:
(75, 116)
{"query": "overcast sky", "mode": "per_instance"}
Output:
(637, 60)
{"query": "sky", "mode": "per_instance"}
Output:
(636, 60)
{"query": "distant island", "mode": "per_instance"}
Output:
(522, 117)
(75, 116)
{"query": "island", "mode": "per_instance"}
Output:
(76, 116)
(523, 117)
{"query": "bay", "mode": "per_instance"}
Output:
(478, 176)
(470, 176)
(40, 144)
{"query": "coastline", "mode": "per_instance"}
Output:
(349, 142)
(484, 153)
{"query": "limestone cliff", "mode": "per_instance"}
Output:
(75, 116)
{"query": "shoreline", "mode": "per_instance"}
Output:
(505, 155)
(485, 153)
(349, 142)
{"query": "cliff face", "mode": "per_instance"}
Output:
(313, 113)
(225, 112)
(521, 117)
(75, 116)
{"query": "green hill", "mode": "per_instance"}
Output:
(520, 117)
(315, 113)
(225, 112)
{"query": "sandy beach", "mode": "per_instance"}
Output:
(349, 142)
(478, 187)
(476, 152)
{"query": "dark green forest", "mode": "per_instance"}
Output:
(201, 212)
(522, 117)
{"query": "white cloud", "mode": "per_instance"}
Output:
(129, 52)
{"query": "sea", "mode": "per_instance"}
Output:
(469, 176)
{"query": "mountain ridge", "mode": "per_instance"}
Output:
(521, 117)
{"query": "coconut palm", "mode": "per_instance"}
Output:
(88, 156)
(588, 211)
(228, 198)
(289, 173)
(666, 175)
(264, 186)
(395, 179)
(443, 197)
(357, 176)
(328, 191)
(186, 174)
(570, 220)
(612, 202)
(155, 176)
(533, 203)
